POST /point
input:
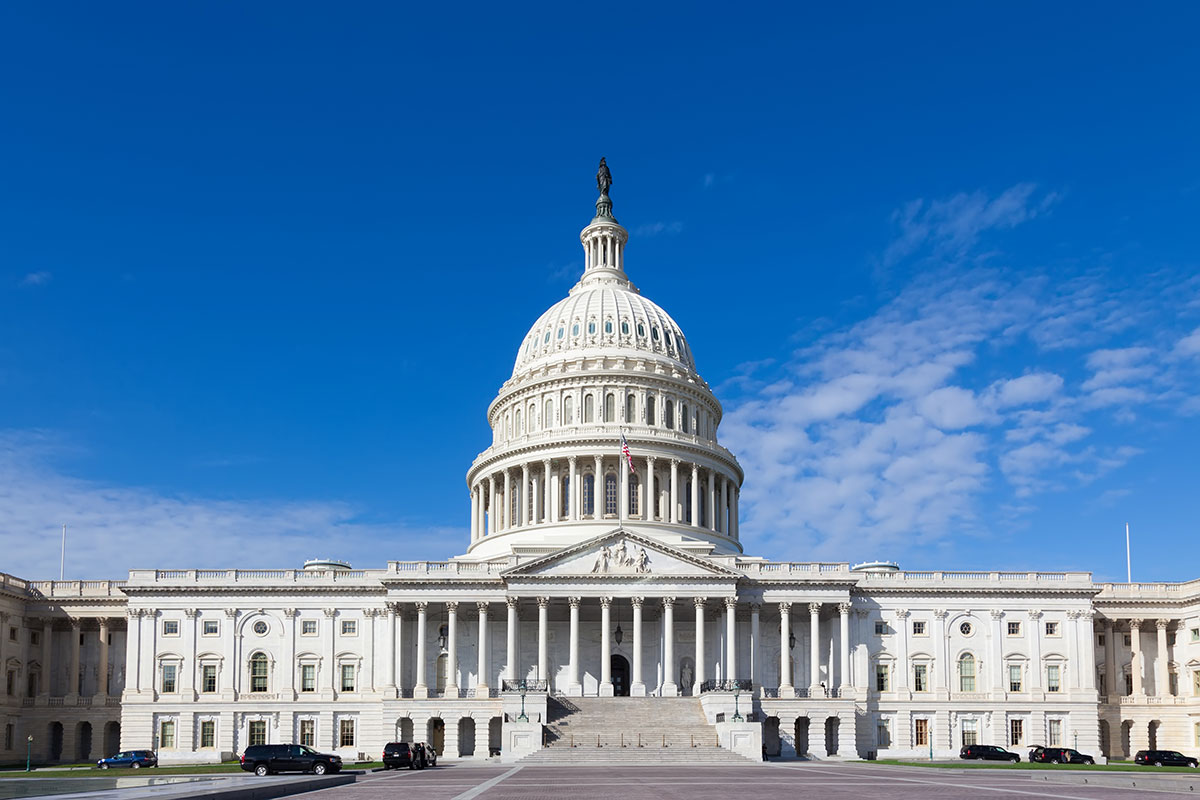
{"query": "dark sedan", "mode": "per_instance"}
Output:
(1059, 755)
(1164, 758)
(987, 752)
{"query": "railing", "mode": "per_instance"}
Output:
(977, 577)
(112, 702)
(738, 684)
(73, 588)
(472, 568)
(527, 686)
(248, 575)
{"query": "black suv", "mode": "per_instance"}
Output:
(400, 754)
(1058, 755)
(1164, 758)
(987, 752)
(263, 759)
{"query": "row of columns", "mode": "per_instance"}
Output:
(1162, 677)
(814, 621)
(492, 495)
(75, 674)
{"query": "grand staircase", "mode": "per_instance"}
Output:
(629, 730)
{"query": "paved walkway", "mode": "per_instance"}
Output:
(799, 780)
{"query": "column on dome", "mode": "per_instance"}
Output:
(731, 638)
(724, 505)
(785, 655)
(606, 686)
(636, 687)
(669, 688)
(506, 503)
(492, 527)
(674, 515)
(712, 501)
(451, 649)
(700, 657)
(481, 682)
(535, 514)
(511, 670)
(844, 677)
(554, 498)
(599, 495)
(733, 512)
(814, 626)
(547, 501)
(543, 604)
(474, 514)
(523, 498)
(573, 492)
(574, 687)
(420, 688)
(695, 495)
(651, 510)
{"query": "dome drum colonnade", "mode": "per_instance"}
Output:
(603, 363)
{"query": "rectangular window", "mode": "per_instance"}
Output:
(1052, 678)
(1054, 732)
(308, 627)
(257, 731)
(922, 732)
(920, 678)
(966, 674)
(1014, 677)
(1196, 634)
(1016, 732)
(881, 677)
(12, 633)
(970, 732)
(208, 733)
(208, 678)
(210, 627)
(8, 736)
(168, 678)
(1100, 640)
(10, 683)
(881, 628)
(610, 497)
(1128, 683)
(35, 637)
(349, 627)
(1128, 641)
(166, 734)
(1171, 639)
(170, 627)
(308, 732)
(308, 677)
(1052, 629)
(918, 627)
(346, 733)
(347, 677)
(1014, 629)
(1196, 682)
(883, 734)
(1173, 684)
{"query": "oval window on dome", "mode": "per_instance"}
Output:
(547, 339)
(560, 333)
(641, 330)
(654, 333)
(608, 326)
(670, 341)
(591, 327)
(625, 328)
(575, 329)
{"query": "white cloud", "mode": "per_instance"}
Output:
(655, 228)
(40, 278)
(1189, 345)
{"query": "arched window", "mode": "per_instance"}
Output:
(683, 417)
(630, 408)
(669, 415)
(258, 672)
(687, 502)
(548, 418)
(610, 407)
(517, 419)
(507, 425)
(589, 494)
(608, 326)
(532, 418)
(634, 507)
(568, 410)
(610, 494)
(564, 500)
(966, 673)
(651, 419)
(591, 327)
(589, 408)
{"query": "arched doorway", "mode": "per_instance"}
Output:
(620, 676)
(435, 732)
(1105, 739)
(831, 735)
(83, 741)
(770, 734)
(404, 730)
(1154, 726)
(495, 735)
(466, 736)
(802, 748)
(112, 739)
(55, 736)
(1126, 737)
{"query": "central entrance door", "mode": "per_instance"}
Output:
(620, 676)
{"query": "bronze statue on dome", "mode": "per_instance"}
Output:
(603, 177)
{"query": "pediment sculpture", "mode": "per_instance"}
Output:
(620, 559)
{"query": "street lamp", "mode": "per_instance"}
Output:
(523, 718)
(737, 690)
(29, 753)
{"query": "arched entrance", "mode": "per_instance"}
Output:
(802, 748)
(55, 735)
(404, 730)
(83, 741)
(495, 735)
(112, 739)
(1153, 733)
(831, 735)
(466, 736)
(436, 734)
(620, 676)
(770, 734)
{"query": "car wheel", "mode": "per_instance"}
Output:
(1054, 761)
(136, 765)
(1158, 763)
(1014, 760)
(104, 766)
(261, 770)
(318, 769)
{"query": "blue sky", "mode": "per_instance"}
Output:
(263, 268)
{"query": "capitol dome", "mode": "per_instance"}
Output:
(604, 424)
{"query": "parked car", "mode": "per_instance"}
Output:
(263, 759)
(987, 752)
(1164, 758)
(1058, 755)
(134, 759)
(401, 754)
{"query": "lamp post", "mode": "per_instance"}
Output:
(523, 718)
(737, 690)
(29, 753)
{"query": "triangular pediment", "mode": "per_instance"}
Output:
(621, 553)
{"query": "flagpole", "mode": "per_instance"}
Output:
(62, 561)
(1128, 563)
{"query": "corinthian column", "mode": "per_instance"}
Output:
(543, 604)
(844, 677)
(637, 688)
(452, 649)
(1162, 680)
(510, 665)
(669, 688)
(606, 687)
(574, 687)
(700, 677)
(785, 651)
(674, 517)
(420, 688)
(651, 494)
(731, 638)
(814, 624)
(694, 497)
(1135, 645)
(481, 686)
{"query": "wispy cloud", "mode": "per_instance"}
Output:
(40, 278)
(656, 228)
(114, 528)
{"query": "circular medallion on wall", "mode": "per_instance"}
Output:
(261, 627)
(966, 629)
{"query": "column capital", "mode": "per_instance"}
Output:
(370, 612)
(814, 608)
(1087, 613)
(941, 613)
(785, 608)
(76, 623)
(700, 602)
(512, 602)
(290, 613)
(901, 613)
(574, 602)
(104, 622)
(572, 460)
(392, 609)
(651, 459)
(636, 602)
(1162, 624)
(482, 605)
(191, 613)
(731, 603)
(422, 606)
(452, 606)
(844, 608)
(755, 608)
(606, 602)
(997, 614)
(668, 602)
(330, 613)
(543, 602)
(1035, 613)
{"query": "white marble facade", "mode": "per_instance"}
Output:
(589, 572)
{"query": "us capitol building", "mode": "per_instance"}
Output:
(602, 588)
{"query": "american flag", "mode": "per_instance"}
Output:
(625, 452)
